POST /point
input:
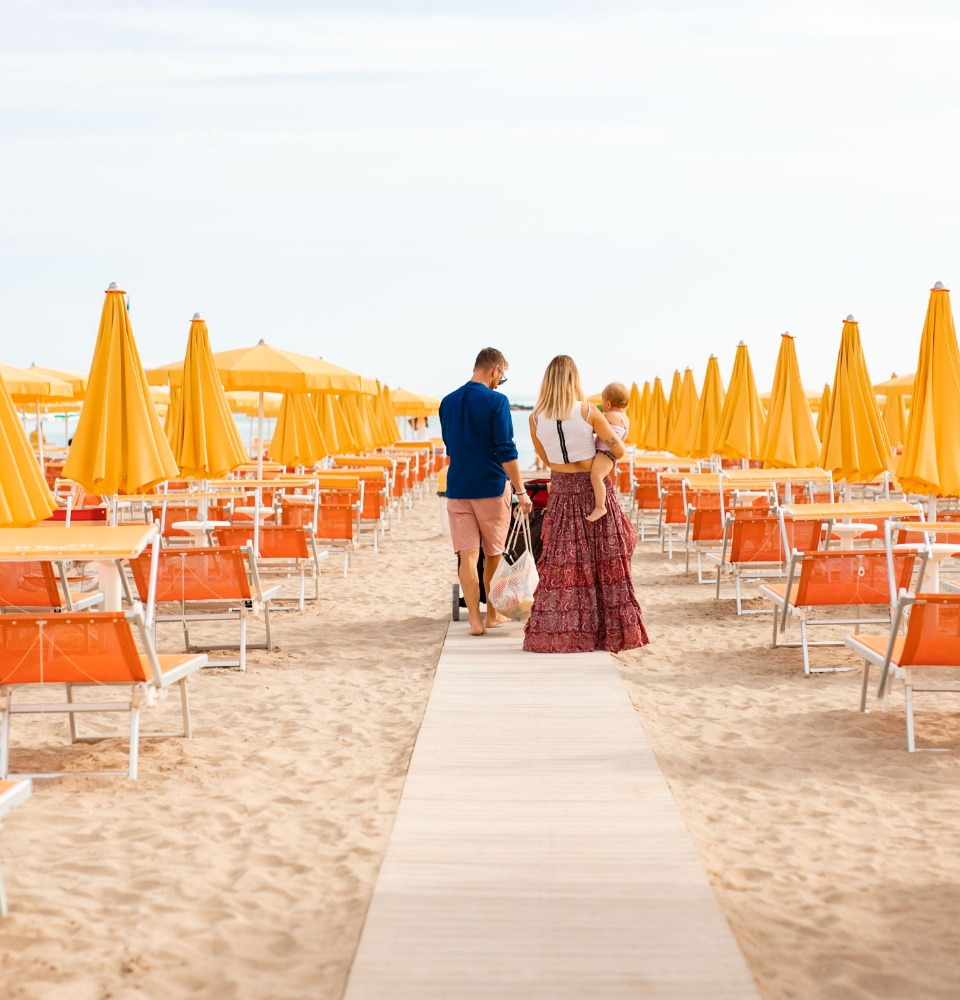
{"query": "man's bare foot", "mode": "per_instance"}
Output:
(494, 618)
(596, 513)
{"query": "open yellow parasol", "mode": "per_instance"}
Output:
(119, 443)
(930, 462)
(855, 445)
(248, 403)
(790, 440)
(413, 404)
(706, 419)
(203, 435)
(742, 420)
(634, 416)
(36, 387)
(24, 495)
(655, 426)
(297, 438)
(683, 423)
(896, 385)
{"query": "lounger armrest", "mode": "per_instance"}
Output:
(174, 667)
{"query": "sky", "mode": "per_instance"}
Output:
(393, 185)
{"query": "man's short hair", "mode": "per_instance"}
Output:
(488, 359)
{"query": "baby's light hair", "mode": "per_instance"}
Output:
(617, 394)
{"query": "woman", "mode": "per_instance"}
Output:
(585, 600)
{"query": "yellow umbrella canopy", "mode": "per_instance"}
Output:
(683, 424)
(673, 402)
(823, 411)
(635, 416)
(333, 425)
(203, 434)
(76, 381)
(895, 417)
(24, 495)
(655, 427)
(119, 443)
(930, 462)
(790, 440)
(413, 404)
(644, 411)
(33, 385)
(855, 445)
(706, 419)
(248, 403)
(742, 420)
(896, 384)
(297, 438)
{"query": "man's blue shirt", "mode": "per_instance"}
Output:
(478, 432)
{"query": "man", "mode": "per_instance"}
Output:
(478, 432)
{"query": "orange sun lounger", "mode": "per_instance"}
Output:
(932, 642)
(81, 650)
(852, 578)
(210, 584)
(31, 585)
(12, 793)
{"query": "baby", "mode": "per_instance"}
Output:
(614, 404)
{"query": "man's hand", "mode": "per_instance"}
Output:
(526, 504)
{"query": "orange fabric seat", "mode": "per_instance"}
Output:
(81, 650)
(30, 585)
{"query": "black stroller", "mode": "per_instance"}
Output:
(537, 489)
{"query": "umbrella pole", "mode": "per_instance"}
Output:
(260, 438)
(39, 436)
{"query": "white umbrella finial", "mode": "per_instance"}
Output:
(113, 287)
(939, 284)
(850, 318)
(197, 316)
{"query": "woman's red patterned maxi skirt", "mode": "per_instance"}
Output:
(585, 600)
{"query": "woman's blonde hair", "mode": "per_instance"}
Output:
(560, 389)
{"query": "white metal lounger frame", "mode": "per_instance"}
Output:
(10, 798)
(236, 609)
(141, 694)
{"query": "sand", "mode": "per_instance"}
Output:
(240, 864)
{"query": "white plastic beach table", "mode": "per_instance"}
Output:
(935, 552)
(199, 530)
(106, 546)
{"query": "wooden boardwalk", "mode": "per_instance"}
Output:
(538, 853)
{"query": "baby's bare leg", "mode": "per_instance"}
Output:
(601, 466)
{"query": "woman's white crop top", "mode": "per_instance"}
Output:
(566, 441)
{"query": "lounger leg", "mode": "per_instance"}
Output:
(243, 641)
(72, 716)
(803, 645)
(5, 740)
(266, 623)
(716, 593)
(3, 900)
(303, 584)
(863, 686)
(185, 707)
(776, 614)
(134, 741)
(908, 709)
(736, 583)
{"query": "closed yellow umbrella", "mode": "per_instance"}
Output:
(655, 428)
(386, 417)
(706, 419)
(644, 411)
(790, 440)
(358, 424)
(297, 438)
(855, 445)
(119, 443)
(673, 402)
(683, 423)
(930, 462)
(24, 495)
(895, 417)
(743, 420)
(203, 434)
(635, 416)
(167, 408)
(334, 426)
(823, 411)
(368, 410)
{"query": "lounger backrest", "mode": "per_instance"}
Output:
(860, 577)
(933, 632)
(674, 511)
(277, 541)
(28, 585)
(335, 521)
(759, 538)
(204, 574)
(71, 648)
(178, 512)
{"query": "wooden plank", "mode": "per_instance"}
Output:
(537, 850)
